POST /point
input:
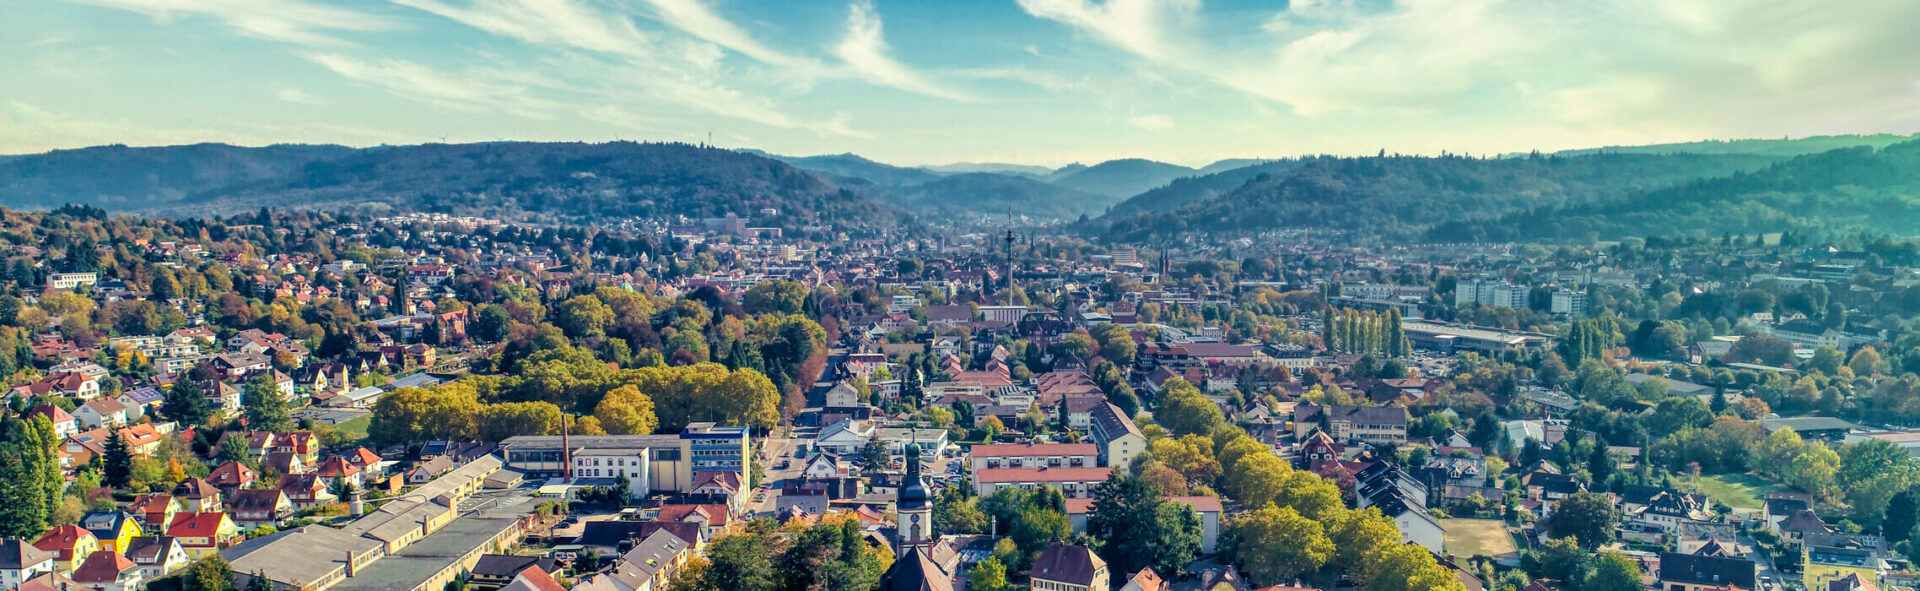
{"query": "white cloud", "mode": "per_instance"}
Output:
(1136, 26)
(1152, 122)
(296, 96)
(699, 20)
(546, 22)
(864, 48)
(471, 91)
(289, 21)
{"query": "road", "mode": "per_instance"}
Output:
(1762, 567)
(778, 446)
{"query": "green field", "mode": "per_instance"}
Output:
(1740, 491)
(355, 429)
(1478, 537)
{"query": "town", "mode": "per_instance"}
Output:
(309, 401)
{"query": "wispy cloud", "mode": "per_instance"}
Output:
(1152, 122)
(546, 22)
(1137, 26)
(468, 91)
(289, 21)
(697, 19)
(864, 48)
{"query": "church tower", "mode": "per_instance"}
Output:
(912, 506)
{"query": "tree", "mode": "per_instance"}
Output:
(1141, 529)
(186, 402)
(874, 456)
(625, 411)
(507, 419)
(987, 575)
(1867, 361)
(1588, 517)
(774, 297)
(209, 574)
(740, 562)
(119, 461)
(583, 316)
(491, 323)
(1614, 571)
(1185, 411)
(1276, 544)
(264, 407)
(1679, 412)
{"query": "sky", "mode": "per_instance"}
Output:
(1044, 82)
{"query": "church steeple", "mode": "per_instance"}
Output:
(912, 506)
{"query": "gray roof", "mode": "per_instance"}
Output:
(1808, 424)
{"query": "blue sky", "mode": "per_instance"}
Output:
(1031, 81)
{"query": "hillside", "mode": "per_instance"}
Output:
(556, 181)
(1847, 190)
(1784, 148)
(1121, 179)
(994, 167)
(991, 194)
(1192, 189)
(857, 167)
(1399, 197)
(119, 177)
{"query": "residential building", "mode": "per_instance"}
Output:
(1072, 482)
(1119, 439)
(1063, 567)
(1035, 455)
(1370, 424)
(21, 560)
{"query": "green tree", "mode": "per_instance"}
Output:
(119, 462)
(1139, 528)
(739, 562)
(264, 407)
(583, 316)
(1276, 544)
(208, 574)
(1587, 517)
(625, 411)
(1184, 410)
(186, 402)
(774, 297)
(1613, 571)
(987, 575)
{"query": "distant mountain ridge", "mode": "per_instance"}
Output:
(1784, 147)
(1400, 197)
(1123, 178)
(557, 181)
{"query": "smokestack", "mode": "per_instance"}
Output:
(566, 449)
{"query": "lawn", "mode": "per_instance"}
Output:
(1740, 491)
(356, 429)
(1478, 537)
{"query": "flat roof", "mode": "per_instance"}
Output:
(421, 560)
(1808, 424)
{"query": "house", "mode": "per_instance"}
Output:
(106, 570)
(533, 579)
(64, 425)
(1035, 455)
(1119, 439)
(157, 556)
(915, 570)
(1691, 572)
(304, 490)
(69, 384)
(338, 469)
(1071, 482)
(1369, 424)
(112, 528)
(1145, 580)
(196, 494)
(203, 533)
(1208, 509)
(155, 510)
(231, 476)
(1063, 567)
(104, 412)
(1828, 557)
(20, 561)
(253, 508)
(69, 544)
(493, 571)
(825, 466)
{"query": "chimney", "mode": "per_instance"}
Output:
(351, 567)
(566, 450)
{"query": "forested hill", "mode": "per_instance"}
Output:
(1848, 190)
(1785, 147)
(556, 181)
(1400, 197)
(1123, 178)
(1191, 189)
(981, 193)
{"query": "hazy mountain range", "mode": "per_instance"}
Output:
(1803, 183)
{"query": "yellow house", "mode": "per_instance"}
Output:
(113, 528)
(1834, 556)
(70, 545)
(203, 534)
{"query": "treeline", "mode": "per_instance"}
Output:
(1399, 197)
(1845, 190)
(1354, 331)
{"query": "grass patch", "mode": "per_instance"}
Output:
(1740, 491)
(1478, 537)
(356, 429)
